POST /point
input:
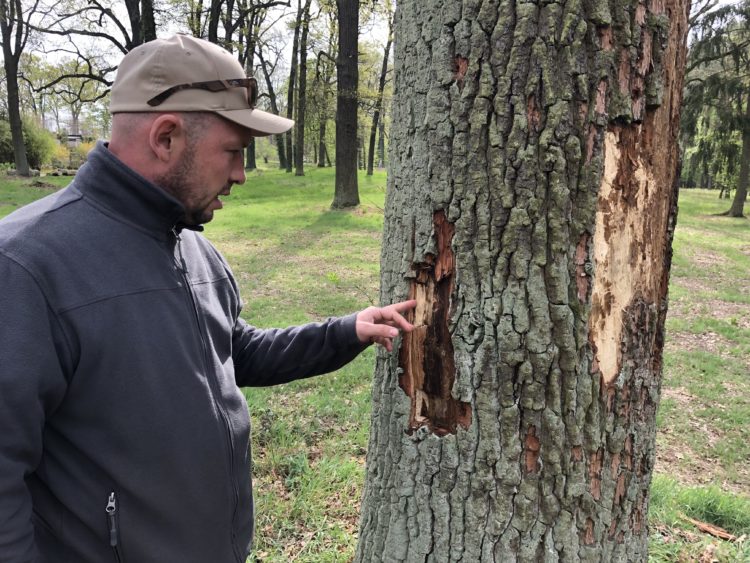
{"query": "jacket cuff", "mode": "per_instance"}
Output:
(347, 332)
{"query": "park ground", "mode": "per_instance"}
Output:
(296, 260)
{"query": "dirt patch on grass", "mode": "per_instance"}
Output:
(694, 285)
(679, 396)
(681, 452)
(44, 185)
(691, 307)
(677, 458)
(706, 258)
(737, 313)
(705, 342)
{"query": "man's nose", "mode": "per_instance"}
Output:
(238, 169)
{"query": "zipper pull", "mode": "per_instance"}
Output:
(111, 516)
(183, 265)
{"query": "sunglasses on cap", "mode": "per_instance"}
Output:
(212, 86)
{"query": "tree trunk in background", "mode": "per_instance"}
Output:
(299, 156)
(322, 143)
(290, 97)
(142, 24)
(148, 24)
(530, 210)
(740, 195)
(214, 18)
(347, 190)
(249, 29)
(381, 142)
(12, 32)
(379, 101)
(274, 109)
(250, 162)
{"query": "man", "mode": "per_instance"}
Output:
(124, 435)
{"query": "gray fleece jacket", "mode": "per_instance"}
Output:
(123, 434)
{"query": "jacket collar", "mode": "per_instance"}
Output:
(128, 196)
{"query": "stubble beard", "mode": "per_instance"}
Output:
(177, 182)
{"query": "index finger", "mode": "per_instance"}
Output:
(404, 306)
(395, 310)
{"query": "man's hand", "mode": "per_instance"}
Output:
(381, 324)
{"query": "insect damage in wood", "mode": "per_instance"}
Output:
(426, 358)
(629, 259)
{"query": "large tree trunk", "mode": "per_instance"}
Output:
(740, 195)
(530, 211)
(299, 155)
(379, 102)
(12, 33)
(347, 190)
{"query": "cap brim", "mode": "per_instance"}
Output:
(260, 122)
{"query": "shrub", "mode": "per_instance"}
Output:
(60, 156)
(40, 144)
(81, 151)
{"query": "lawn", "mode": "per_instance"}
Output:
(297, 260)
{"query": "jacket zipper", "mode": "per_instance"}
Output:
(213, 384)
(112, 521)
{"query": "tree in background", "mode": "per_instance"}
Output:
(292, 87)
(78, 28)
(716, 121)
(347, 190)
(267, 69)
(14, 32)
(381, 90)
(73, 87)
(530, 209)
(301, 97)
(101, 20)
(321, 95)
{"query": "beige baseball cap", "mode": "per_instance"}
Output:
(183, 73)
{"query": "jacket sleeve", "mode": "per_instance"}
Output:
(32, 384)
(273, 356)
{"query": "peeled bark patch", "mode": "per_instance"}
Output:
(629, 259)
(426, 356)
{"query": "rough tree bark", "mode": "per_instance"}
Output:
(530, 211)
(347, 190)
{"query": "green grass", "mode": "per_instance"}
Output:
(297, 260)
(703, 442)
(675, 538)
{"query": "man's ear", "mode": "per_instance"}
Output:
(167, 137)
